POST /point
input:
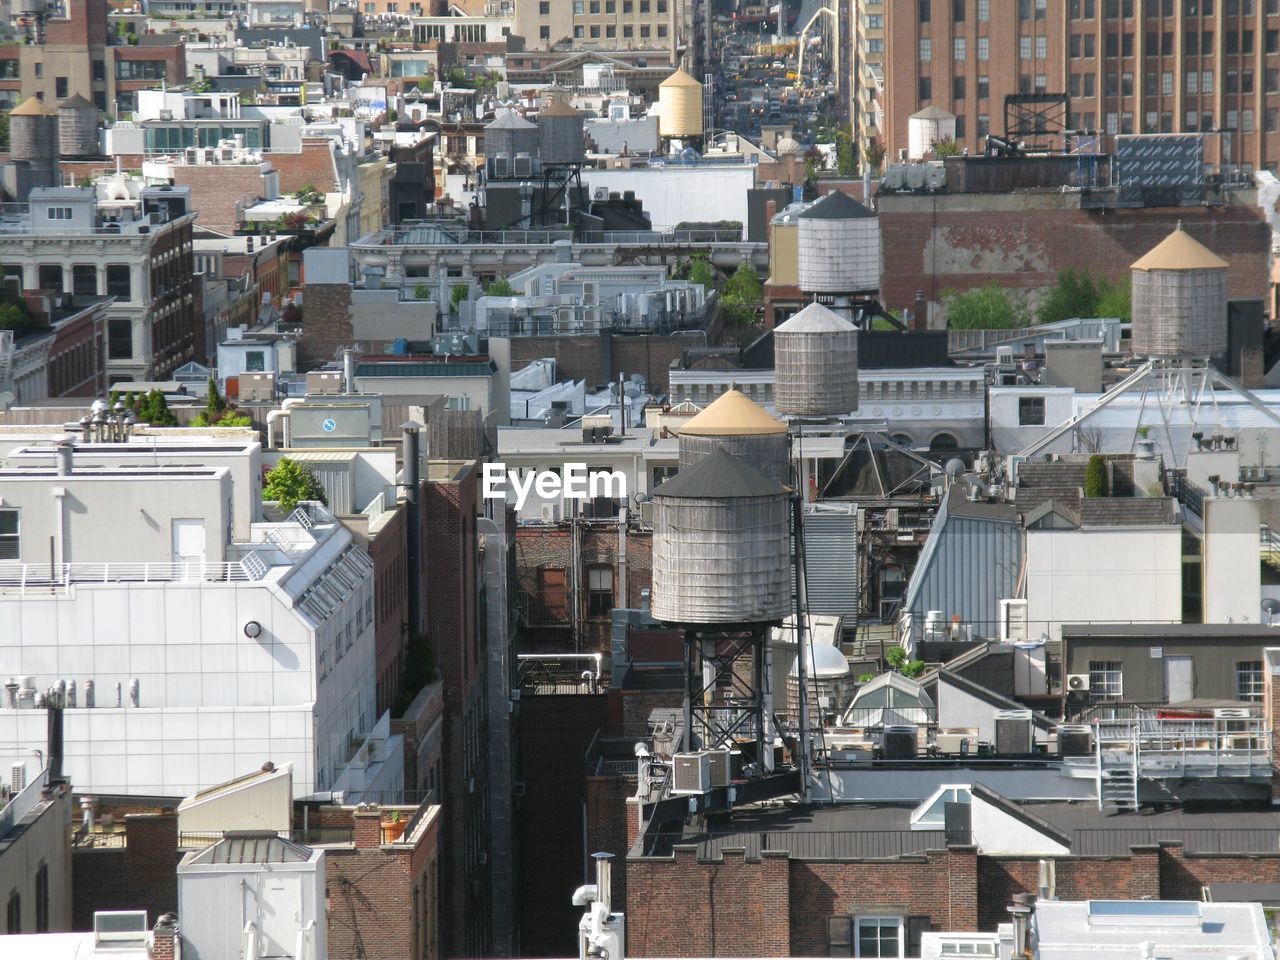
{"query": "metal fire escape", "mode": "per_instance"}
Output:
(1117, 765)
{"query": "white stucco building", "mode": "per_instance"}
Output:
(212, 638)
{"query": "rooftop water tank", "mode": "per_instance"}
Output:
(737, 425)
(510, 134)
(33, 132)
(721, 538)
(680, 106)
(839, 246)
(560, 134)
(78, 127)
(815, 364)
(927, 127)
(1180, 300)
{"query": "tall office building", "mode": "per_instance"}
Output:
(1129, 66)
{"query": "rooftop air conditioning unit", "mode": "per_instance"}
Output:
(721, 772)
(1075, 740)
(1013, 732)
(1013, 621)
(691, 773)
(600, 194)
(898, 742)
(588, 293)
(501, 168)
(1078, 682)
(522, 166)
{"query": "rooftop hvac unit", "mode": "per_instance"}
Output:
(500, 166)
(1078, 682)
(1013, 732)
(600, 194)
(522, 166)
(898, 742)
(691, 773)
(588, 292)
(1013, 621)
(17, 776)
(721, 769)
(1075, 740)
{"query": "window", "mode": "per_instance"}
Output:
(879, 937)
(1232, 81)
(119, 338)
(1126, 84)
(1113, 45)
(1248, 679)
(1193, 83)
(1126, 122)
(594, 7)
(1090, 87)
(926, 49)
(60, 88)
(9, 535)
(1206, 42)
(119, 281)
(140, 70)
(1233, 119)
(1031, 411)
(926, 88)
(984, 124)
(961, 132)
(1246, 81)
(1106, 677)
(1151, 122)
(957, 93)
(1150, 83)
(39, 71)
(960, 48)
(595, 31)
(579, 7)
(924, 11)
(1073, 89)
(1024, 9)
(1206, 81)
(1090, 46)
(1041, 83)
(1042, 47)
(1273, 41)
(1042, 9)
(1024, 47)
(982, 88)
(544, 32)
(1166, 83)
(1271, 119)
(1191, 43)
(58, 213)
(42, 898)
(1166, 44)
(84, 280)
(984, 48)
(957, 11)
(984, 11)
(599, 591)
(544, 8)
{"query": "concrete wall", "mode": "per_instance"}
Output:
(1232, 568)
(1103, 575)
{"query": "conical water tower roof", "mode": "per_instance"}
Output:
(31, 107)
(1180, 251)
(74, 102)
(815, 318)
(510, 121)
(836, 205)
(558, 108)
(733, 414)
(720, 476)
(679, 79)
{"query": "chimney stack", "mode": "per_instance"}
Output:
(920, 318)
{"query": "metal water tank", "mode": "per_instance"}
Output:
(510, 134)
(838, 246)
(78, 127)
(33, 133)
(815, 364)
(721, 540)
(925, 128)
(1180, 300)
(560, 134)
(739, 426)
(680, 106)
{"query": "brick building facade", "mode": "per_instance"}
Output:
(1129, 66)
(600, 358)
(140, 874)
(450, 549)
(551, 599)
(943, 242)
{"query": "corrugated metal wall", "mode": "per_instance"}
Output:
(831, 563)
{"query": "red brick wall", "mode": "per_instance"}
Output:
(143, 875)
(735, 907)
(313, 166)
(638, 704)
(607, 826)
(216, 189)
(936, 244)
(1182, 875)
(326, 323)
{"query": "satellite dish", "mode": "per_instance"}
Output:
(955, 468)
(640, 498)
(1270, 606)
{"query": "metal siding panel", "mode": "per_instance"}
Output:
(972, 567)
(831, 563)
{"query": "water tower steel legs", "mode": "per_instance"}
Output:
(725, 706)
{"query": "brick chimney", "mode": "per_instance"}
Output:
(164, 938)
(1271, 713)
(368, 824)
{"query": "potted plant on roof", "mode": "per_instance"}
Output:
(393, 828)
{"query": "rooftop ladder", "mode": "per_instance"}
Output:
(1117, 766)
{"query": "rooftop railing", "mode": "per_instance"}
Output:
(19, 576)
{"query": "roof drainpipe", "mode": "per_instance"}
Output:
(622, 558)
(413, 517)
